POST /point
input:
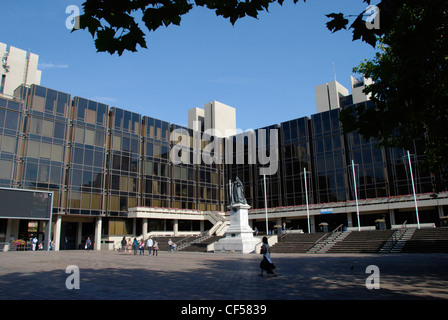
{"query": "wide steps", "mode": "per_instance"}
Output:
(202, 246)
(362, 242)
(296, 243)
(427, 240)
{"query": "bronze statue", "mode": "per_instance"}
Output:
(237, 193)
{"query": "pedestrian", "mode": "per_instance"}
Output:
(142, 246)
(88, 243)
(135, 246)
(149, 244)
(155, 248)
(123, 244)
(129, 246)
(266, 264)
(34, 242)
(171, 244)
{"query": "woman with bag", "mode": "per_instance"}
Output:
(266, 263)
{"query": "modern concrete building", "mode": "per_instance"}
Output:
(111, 174)
(215, 116)
(17, 67)
(328, 96)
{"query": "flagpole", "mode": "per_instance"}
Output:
(356, 194)
(413, 190)
(306, 197)
(265, 203)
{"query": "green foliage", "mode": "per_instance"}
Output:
(410, 71)
(410, 74)
(113, 25)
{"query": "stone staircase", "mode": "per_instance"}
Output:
(330, 242)
(433, 240)
(370, 241)
(397, 240)
(201, 246)
(296, 242)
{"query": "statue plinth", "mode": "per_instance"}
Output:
(239, 236)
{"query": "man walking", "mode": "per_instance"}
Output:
(149, 244)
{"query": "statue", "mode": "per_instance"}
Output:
(237, 193)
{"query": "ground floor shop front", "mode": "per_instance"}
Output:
(72, 232)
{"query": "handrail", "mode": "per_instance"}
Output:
(325, 236)
(396, 236)
(283, 235)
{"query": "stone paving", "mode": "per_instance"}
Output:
(109, 275)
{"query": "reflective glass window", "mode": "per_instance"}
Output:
(59, 130)
(5, 169)
(8, 144)
(12, 120)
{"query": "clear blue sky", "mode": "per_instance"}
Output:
(267, 68)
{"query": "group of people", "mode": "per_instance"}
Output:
(128, 246)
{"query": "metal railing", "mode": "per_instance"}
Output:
(321, 240)
(395, 237)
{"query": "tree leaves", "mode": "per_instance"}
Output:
(113, 22)
(339, 22)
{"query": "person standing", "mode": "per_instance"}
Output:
(123, 244)
(88, 243)
(149, 244)
(142, 247)
(34, 241)
(266, 264)
(155, 248)
(171, 244)
(135, 246)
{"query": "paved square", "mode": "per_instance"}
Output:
(109, 275)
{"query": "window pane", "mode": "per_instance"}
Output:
(57, 153)
(55, 176)
(45, 150)
(33, 149)
(5, 169)
(59, 130)
(79, 135)
(99, 139)
(12, 120)
(47, 129)
(90, 137)
(44, 171)
(8, 144)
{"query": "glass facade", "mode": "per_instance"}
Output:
(100, 161)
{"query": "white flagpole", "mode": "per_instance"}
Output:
(265, 204)
(413, 190)
(356, 194)
(306, 197)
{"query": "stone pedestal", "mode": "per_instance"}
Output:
(239, 236)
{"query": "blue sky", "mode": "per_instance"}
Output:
(267, 68)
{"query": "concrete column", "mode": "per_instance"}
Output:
(134, 226)
(349, 219)
(201, 225)
(39, 230)
(98, 227)
(57, 233)
(145, 228)
(7, 235)
(78, 235)
(440, 211)
(176, 227)
(47, 235)
(392, 217)
(312, 224)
